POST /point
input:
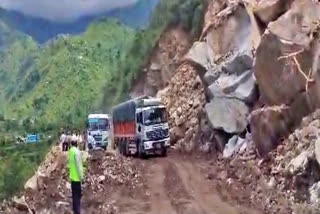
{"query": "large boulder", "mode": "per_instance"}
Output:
(280, 80)
(242, 87)
(270, 10)
(233, 146)
(267, 125)
(227, 114)
(233, 34)
(289, 52)
(202, 54)
(238, 63)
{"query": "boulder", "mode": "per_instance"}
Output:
(300, 162)
(267, 125)
(32, 183)
(233, 146)
(238, 63)
(227, 114)
(283, 60)
(21, 204)
(314, 192)
(211, 76)
(242, 87)
(271, 71)
(202, 54)
(269, 10)
(233, 34)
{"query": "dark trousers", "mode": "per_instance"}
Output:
(65, 146)
(76, 196)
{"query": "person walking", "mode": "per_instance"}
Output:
(63, 142)
(76, 172)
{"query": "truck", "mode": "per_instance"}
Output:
(140, 127)
(98, 126)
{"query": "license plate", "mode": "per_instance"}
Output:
(158, 145)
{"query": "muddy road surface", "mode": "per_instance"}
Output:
(114, 184)
(174, 185)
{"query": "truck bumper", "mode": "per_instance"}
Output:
(156, 145)
(101, 144)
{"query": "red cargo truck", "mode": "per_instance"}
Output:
(141, 127)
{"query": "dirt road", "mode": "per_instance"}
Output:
(115, 184)
(174, 185)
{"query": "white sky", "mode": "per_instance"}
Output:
(63, 10)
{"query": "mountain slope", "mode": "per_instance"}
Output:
(41, 30)
(67, 76)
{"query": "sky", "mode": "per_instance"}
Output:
(63, 10)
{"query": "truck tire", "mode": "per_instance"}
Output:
(141, 153)
(120, 147)
(125, 149)
(164, 152)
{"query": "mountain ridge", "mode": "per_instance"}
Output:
(42, 30)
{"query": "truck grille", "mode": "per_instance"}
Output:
(97, 138)
(158, 134)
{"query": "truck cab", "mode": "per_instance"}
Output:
(141, 127)
(98, 126)
(153, 128)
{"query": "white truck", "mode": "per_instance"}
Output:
(98, 126)
(141, 127)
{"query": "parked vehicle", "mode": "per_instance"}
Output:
(141, 127)
(98, 126)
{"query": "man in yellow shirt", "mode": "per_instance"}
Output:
(76, 176)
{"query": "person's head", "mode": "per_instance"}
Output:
(74, 143)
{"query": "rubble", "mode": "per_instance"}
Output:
(104, 171)
(184, 99)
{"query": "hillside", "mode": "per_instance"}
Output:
(65, 78)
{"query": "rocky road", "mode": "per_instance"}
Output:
(173, 185)
(118, 185)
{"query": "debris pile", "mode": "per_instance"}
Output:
(49, 190)
(287, 180)
(184, 99)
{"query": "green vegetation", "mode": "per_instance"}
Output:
(45, 88)
(18, 164)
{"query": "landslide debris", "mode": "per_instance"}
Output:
(51, 190)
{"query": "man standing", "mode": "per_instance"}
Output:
(63, 142)
(76, 175)
(91, 142)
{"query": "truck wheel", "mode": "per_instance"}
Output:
(141, 153)
(120, 148)
(164, 152)
(125, 149)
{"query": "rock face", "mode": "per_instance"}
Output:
(164, 61)
(284, 60)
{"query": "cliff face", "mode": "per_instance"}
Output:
(255, 72)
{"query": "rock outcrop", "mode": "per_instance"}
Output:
(165, 59)
(287, 66)
(225, 60)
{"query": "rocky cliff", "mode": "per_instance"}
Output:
(244, 86)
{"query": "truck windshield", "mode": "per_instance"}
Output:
(155, 116)
(98, 124)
